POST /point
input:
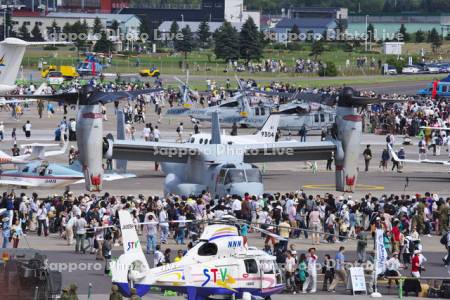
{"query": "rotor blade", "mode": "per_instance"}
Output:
(179, 80)
(69, 98)
(106, 97)
(276, 236)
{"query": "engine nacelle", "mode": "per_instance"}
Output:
(349, 133)
(90, 145)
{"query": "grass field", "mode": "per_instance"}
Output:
(204, 63)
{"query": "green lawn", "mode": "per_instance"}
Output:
(204, 62)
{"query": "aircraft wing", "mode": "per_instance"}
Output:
(288, 151)
(153, 151)
(17, 183)
(117, 176)
(418, 161)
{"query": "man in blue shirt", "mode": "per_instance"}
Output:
(340, 272)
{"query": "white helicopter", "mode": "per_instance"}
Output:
(220, 264)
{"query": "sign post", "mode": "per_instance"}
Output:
(358, 280)
(380, 260)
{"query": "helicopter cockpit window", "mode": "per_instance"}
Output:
(263, 112)
(26, 169)
(322, 118)
(230, 104)
(267, 267)
(235, 176)
(251, 267)
(207, 249)
(316, 118)
(257, 111)
(331, 119)
(253, 175)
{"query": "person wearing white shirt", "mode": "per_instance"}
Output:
(290, 267)
(312, 271)
(236, 207)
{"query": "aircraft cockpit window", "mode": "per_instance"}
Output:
(230, 104)
(235, 176)
(316, 118)
(200, 141)
(25, 170)
(257, 111)
(192, 140)
(322, 118)
(50, 171)
(253, 175)
(207, 249)
(331, 119)
(263, 111)
(251, 267)
(206, 141)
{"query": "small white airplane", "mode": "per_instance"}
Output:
(418, 161)
(50, 175)
(37, 153)
(265, 135)
(220, 264)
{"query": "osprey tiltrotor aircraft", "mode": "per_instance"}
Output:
(208, 163)
(220, 264)
(305, 110)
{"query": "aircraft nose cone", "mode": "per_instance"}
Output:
(252, 188)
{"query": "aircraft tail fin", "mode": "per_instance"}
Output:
(215, 128)
(11, 55)
(120, 163)
(269, 129)
(131, 268)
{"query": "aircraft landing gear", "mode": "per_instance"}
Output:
(268, 298)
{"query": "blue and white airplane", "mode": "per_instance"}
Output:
(49, 175)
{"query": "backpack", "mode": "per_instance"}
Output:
(444, 239)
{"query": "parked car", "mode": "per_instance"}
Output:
(391, 70)
(411, 69)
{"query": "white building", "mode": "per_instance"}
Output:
(128, 24)
(235, 12)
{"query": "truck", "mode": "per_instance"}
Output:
(68, 72)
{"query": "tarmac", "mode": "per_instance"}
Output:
(282, 177)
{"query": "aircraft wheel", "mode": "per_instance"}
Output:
(268, 298)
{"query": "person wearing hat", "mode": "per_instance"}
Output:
(115, 295)
(416, 267)
(393, 268)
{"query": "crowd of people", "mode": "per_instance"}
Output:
(405, 220)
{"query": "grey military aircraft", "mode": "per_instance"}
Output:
(307, 110)
(219, 168)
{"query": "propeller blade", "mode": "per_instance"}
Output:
(179, 80)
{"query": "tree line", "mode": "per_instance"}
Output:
(360, 6)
